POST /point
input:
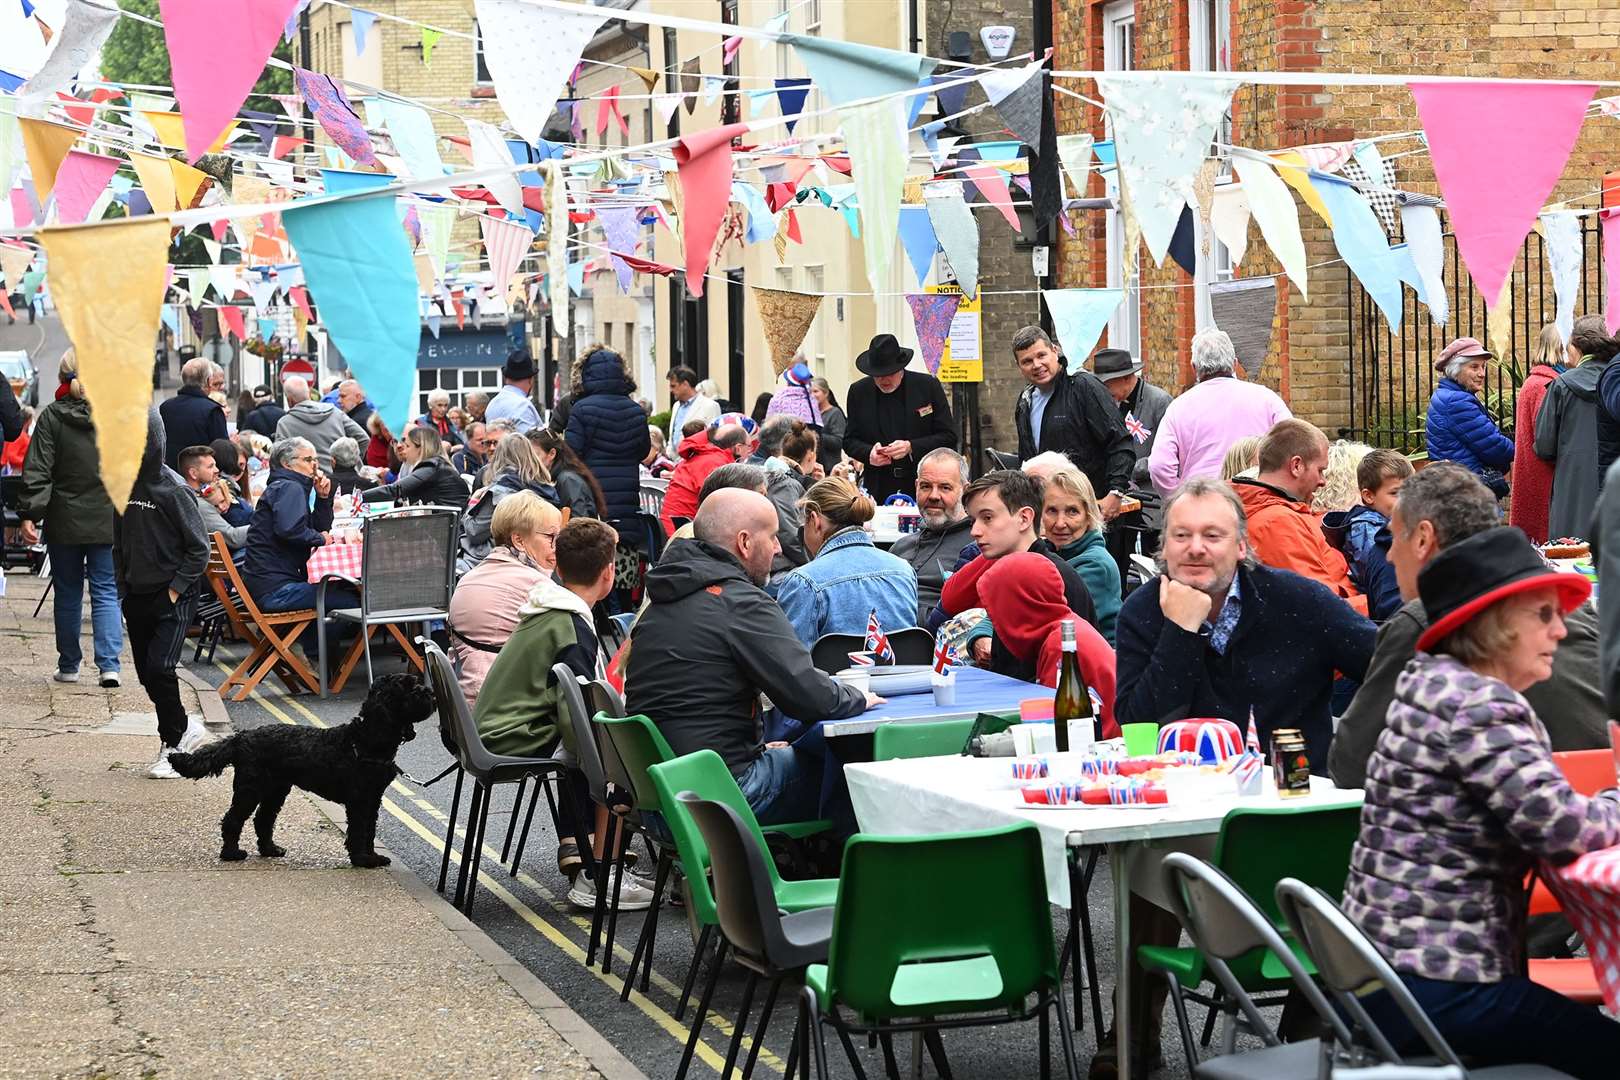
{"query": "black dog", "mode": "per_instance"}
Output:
(352, 764)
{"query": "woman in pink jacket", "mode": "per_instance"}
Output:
(484, 609)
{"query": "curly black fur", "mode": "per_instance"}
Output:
(352, 764)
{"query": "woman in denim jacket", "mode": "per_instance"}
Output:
(847, 578)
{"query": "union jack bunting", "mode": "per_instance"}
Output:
(877, 642)
(1139, 431)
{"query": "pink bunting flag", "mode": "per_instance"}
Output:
(1493, 207)
(607, 106)
(505, 242)
(283, 145)
(933, 312)
(1611, 268)
(300, 297)
(22, 214)
(992, 182)
(80, 182)
(703, 161)
(217, 50)
(218, 229)
(232, 317)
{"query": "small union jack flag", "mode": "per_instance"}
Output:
(1251, 742)
(877, 642)
(942, 656)
(1139, 431)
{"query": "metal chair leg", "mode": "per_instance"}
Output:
(891, 1067)
(618, 887)
(450, 829)
(1045, 1042)
(691, 972)
(598, 911)
(936, 1050)
(478, 852)
(528, 819)
(702, 1013)
(466, 841)
(511, 821)
(365, 632)
(759, 1032)
(649, 932)
(1089, 946)
(1071, 1066)
(739, 1024)
(849, 1050)
(1179, 1003)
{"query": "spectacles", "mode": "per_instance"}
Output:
(306, 457)
(548, 537)
(1546, 613)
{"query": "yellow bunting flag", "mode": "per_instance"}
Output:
(47, 146)
(1299, 178)
(171, 131)
(157, 180)
(189, 183)
(424, 273)
(107, 280)
(786, 317)
(14, 263)
(648, 76)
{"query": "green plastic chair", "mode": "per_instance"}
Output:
(704, 773)
(936, 932)
(932, 738)
(1257, 847)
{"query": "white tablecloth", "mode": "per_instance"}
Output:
(920, 796)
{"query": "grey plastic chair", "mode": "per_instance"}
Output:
(488, 770)
(769, 944)
(407, 572)
(1225, 924)
(911, 645)
(1349, 964)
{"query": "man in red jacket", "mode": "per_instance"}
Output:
(727, 440)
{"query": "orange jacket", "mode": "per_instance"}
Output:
(1285, 533)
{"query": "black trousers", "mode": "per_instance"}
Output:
(157, 634)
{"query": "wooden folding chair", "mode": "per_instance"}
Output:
(272, 635)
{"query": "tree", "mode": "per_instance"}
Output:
(136, 52)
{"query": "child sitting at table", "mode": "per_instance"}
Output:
(1362, 532)
(1023, 595)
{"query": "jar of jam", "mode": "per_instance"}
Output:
(1289, 763)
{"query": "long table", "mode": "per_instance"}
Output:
(977, 691)
(921, 796)
(1588, 890)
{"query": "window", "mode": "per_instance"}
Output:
(815, 281)
(784, 51)
(457, 382)
(1209, 40)
(480, 65)
(1119, 54)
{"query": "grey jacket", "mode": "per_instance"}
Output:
(1148, 409)
(214, 522)
(1570, 703)
(933, 553)
(322, 424)
(1567, 432)
(1605, 534)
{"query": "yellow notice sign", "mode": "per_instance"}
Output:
(963, 358)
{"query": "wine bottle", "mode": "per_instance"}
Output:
(1072, 701)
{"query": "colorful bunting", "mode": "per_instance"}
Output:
(217, 50)
(1075, 153)
(607, 108)
(505, 242)
(1163, 124)
(234, 320)
(1611, 268)
(790, 95)
(917, 237)
(490, 151)
(1561, 230)
(1360, 242)
(79, 182)
(1420, 225)
(932, 313)
(1015, 93)
(85, 27)
(786, 318)
(46, 146)
(1079, 317)
(1295, 171)
(530, 52)
(430, 38)
(691, 83)
(14, 263)
(621, 228)
(358, 266)
(876, 137)
(107, 281)
(1229, 219)
(848, 72)
(1273, 209)
(704, 164)
(957, 231)
(331, 109)
(557, 240)
(1492, 209)
(992, 184)
(413, 135)
(157, 180)
(362, 21)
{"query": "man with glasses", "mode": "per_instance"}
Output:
(292, 519)
(474, 454)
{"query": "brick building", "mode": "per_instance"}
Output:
(1337, 364)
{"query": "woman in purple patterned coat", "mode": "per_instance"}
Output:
(1463, 798)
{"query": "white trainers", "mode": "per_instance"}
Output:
(66, 676)
(161, 769)
(196, 734)
(109, 680)
(634, 894)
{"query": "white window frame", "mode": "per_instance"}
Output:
(478, 55)
(1200, 14)
(815, 281)
(1125, 325)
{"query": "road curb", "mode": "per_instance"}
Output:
(575, 1031)
(208, 699)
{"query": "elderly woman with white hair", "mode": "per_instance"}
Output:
(438, 418)
(1457, 427)
(1212, 414)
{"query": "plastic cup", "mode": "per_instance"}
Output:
(944, 689)
(859, 679)
(1141, 740)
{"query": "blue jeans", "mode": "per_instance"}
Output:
(783, 785)
(297, 595)
(1513, 1021)
(71, 564)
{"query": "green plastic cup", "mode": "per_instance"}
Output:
(1141, 740)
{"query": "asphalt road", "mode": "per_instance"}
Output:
(530, 917)
(44, 340)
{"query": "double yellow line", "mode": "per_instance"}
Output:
(661, 1017)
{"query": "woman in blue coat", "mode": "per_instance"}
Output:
(608, 430)
(1458, 427)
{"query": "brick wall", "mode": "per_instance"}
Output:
(1311, 338)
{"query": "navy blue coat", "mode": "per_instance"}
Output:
(283, 532)
(1292, 634)
(608, 430)
(190, 418)
(1459, 429)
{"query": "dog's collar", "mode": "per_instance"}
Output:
(355, 750)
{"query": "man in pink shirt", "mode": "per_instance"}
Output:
(1215, 412)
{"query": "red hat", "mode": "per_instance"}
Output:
(1472, 574)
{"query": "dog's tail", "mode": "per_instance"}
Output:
(211, 760)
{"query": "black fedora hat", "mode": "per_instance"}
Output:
(519, 365)
(1109, 364)
(1472, 574)
(883, 356)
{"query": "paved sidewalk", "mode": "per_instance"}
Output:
(128, 950)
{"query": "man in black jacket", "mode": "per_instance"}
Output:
(935, 549)
(711, 641)
(11, 414)
(160, 555)
(287, 525)
(895, 417)
(191, 417)
(1074, 415)
(266, 413)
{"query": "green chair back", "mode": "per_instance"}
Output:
(638, 745)
(930, 925)
(931, 738)
(1260, 845)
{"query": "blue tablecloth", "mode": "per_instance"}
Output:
(977, 691)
